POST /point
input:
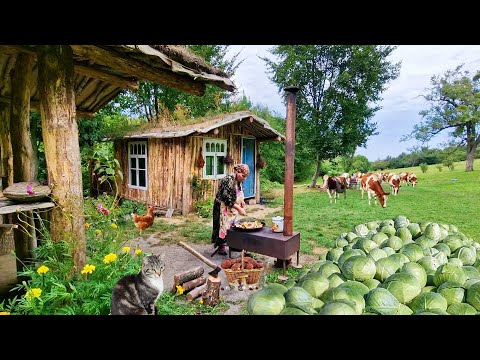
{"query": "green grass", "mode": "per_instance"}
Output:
(436, 198)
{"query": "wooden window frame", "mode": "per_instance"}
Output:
(137, 156)
(216, 155)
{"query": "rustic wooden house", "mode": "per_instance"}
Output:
(68, 82)
(160, 163)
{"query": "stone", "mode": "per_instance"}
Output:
(18, 191)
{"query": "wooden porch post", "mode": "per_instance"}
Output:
(24, 159)
(6, 166)
(62, 151)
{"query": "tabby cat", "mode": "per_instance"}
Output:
(137, 294)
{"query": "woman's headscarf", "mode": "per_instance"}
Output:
(242, 168)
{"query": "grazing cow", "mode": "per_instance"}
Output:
(371, 185)
(347, 178)
(394, 181)
(411, 177)
(404, 177)
(335, 185)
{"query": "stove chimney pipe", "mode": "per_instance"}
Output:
(289, 159)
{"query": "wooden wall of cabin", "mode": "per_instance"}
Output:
(173, 162)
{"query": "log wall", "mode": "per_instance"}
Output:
(172, 163)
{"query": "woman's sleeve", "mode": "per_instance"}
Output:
(226, 191)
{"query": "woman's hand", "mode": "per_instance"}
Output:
(242, 204)
(242, 212)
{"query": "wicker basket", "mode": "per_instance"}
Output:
(251, 275)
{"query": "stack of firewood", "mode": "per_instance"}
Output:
(194, 285)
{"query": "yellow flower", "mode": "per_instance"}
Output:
(179, 289)
(88, 269)
(42, 269)
(200, 301)
(33, 293)
(126, 249)
(113, 226)
(4, 313)
(87, 226)
(109, 258)
(138, 251)
(98, 231)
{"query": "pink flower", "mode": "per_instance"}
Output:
(30, 190)
(105, 212)
(99, 207)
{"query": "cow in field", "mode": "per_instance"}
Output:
(394, 181)
(404, 177)
(335, 185)
(371, 184)
(412, 178)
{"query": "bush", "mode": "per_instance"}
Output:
(204, 208)
(449, 164)
(440, 167)
(424, 167)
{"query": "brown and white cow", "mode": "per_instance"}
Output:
(412, 178)
(335, 185)
(371, 184)
(404, 177)
(394, 181)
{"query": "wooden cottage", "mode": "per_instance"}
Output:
(159, 164)
(67, 82)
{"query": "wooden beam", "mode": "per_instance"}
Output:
(9, 226)
(35, 105)
(107, 77)
(139, 69)
(82, 69)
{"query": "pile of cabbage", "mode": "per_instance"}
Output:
(388, 267)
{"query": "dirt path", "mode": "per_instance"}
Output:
(177, 259)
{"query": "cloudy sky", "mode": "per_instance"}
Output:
(401, 101)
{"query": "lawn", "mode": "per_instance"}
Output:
(446, 196)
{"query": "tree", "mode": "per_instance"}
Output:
(340, 85)
(155, 103)
(455, 105)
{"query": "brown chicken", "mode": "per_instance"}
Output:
(144, 222)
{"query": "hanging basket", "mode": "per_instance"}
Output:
(200, 160)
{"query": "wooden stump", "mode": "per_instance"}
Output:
(189, 285)
(195, 293)
(211, 296)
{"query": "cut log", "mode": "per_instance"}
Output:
(189, 285)
(211, 296)
(195, 293)
(185, 276)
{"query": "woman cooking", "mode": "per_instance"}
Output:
(229, 202)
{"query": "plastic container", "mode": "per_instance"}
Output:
(278, 220)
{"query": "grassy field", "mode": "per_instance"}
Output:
(451, 197)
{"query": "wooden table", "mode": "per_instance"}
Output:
(265, 242)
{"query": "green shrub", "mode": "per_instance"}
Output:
(440, 167)
(424, 167)
(204, 208)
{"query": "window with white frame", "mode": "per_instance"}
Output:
(137, 165)
(215, 151)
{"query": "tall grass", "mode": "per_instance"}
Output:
(451, 197)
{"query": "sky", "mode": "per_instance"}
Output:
(401, 101)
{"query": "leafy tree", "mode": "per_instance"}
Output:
(454, 105)
(157, 103)
(340, 85)
(361, 163)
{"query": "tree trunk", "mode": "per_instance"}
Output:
(6, 166)
(471, 147)
(195, 293)
(189, 285)
(62, 152)
(24, 160)
(185, 276)
(317, 171)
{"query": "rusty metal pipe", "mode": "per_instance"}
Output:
(289, 159)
